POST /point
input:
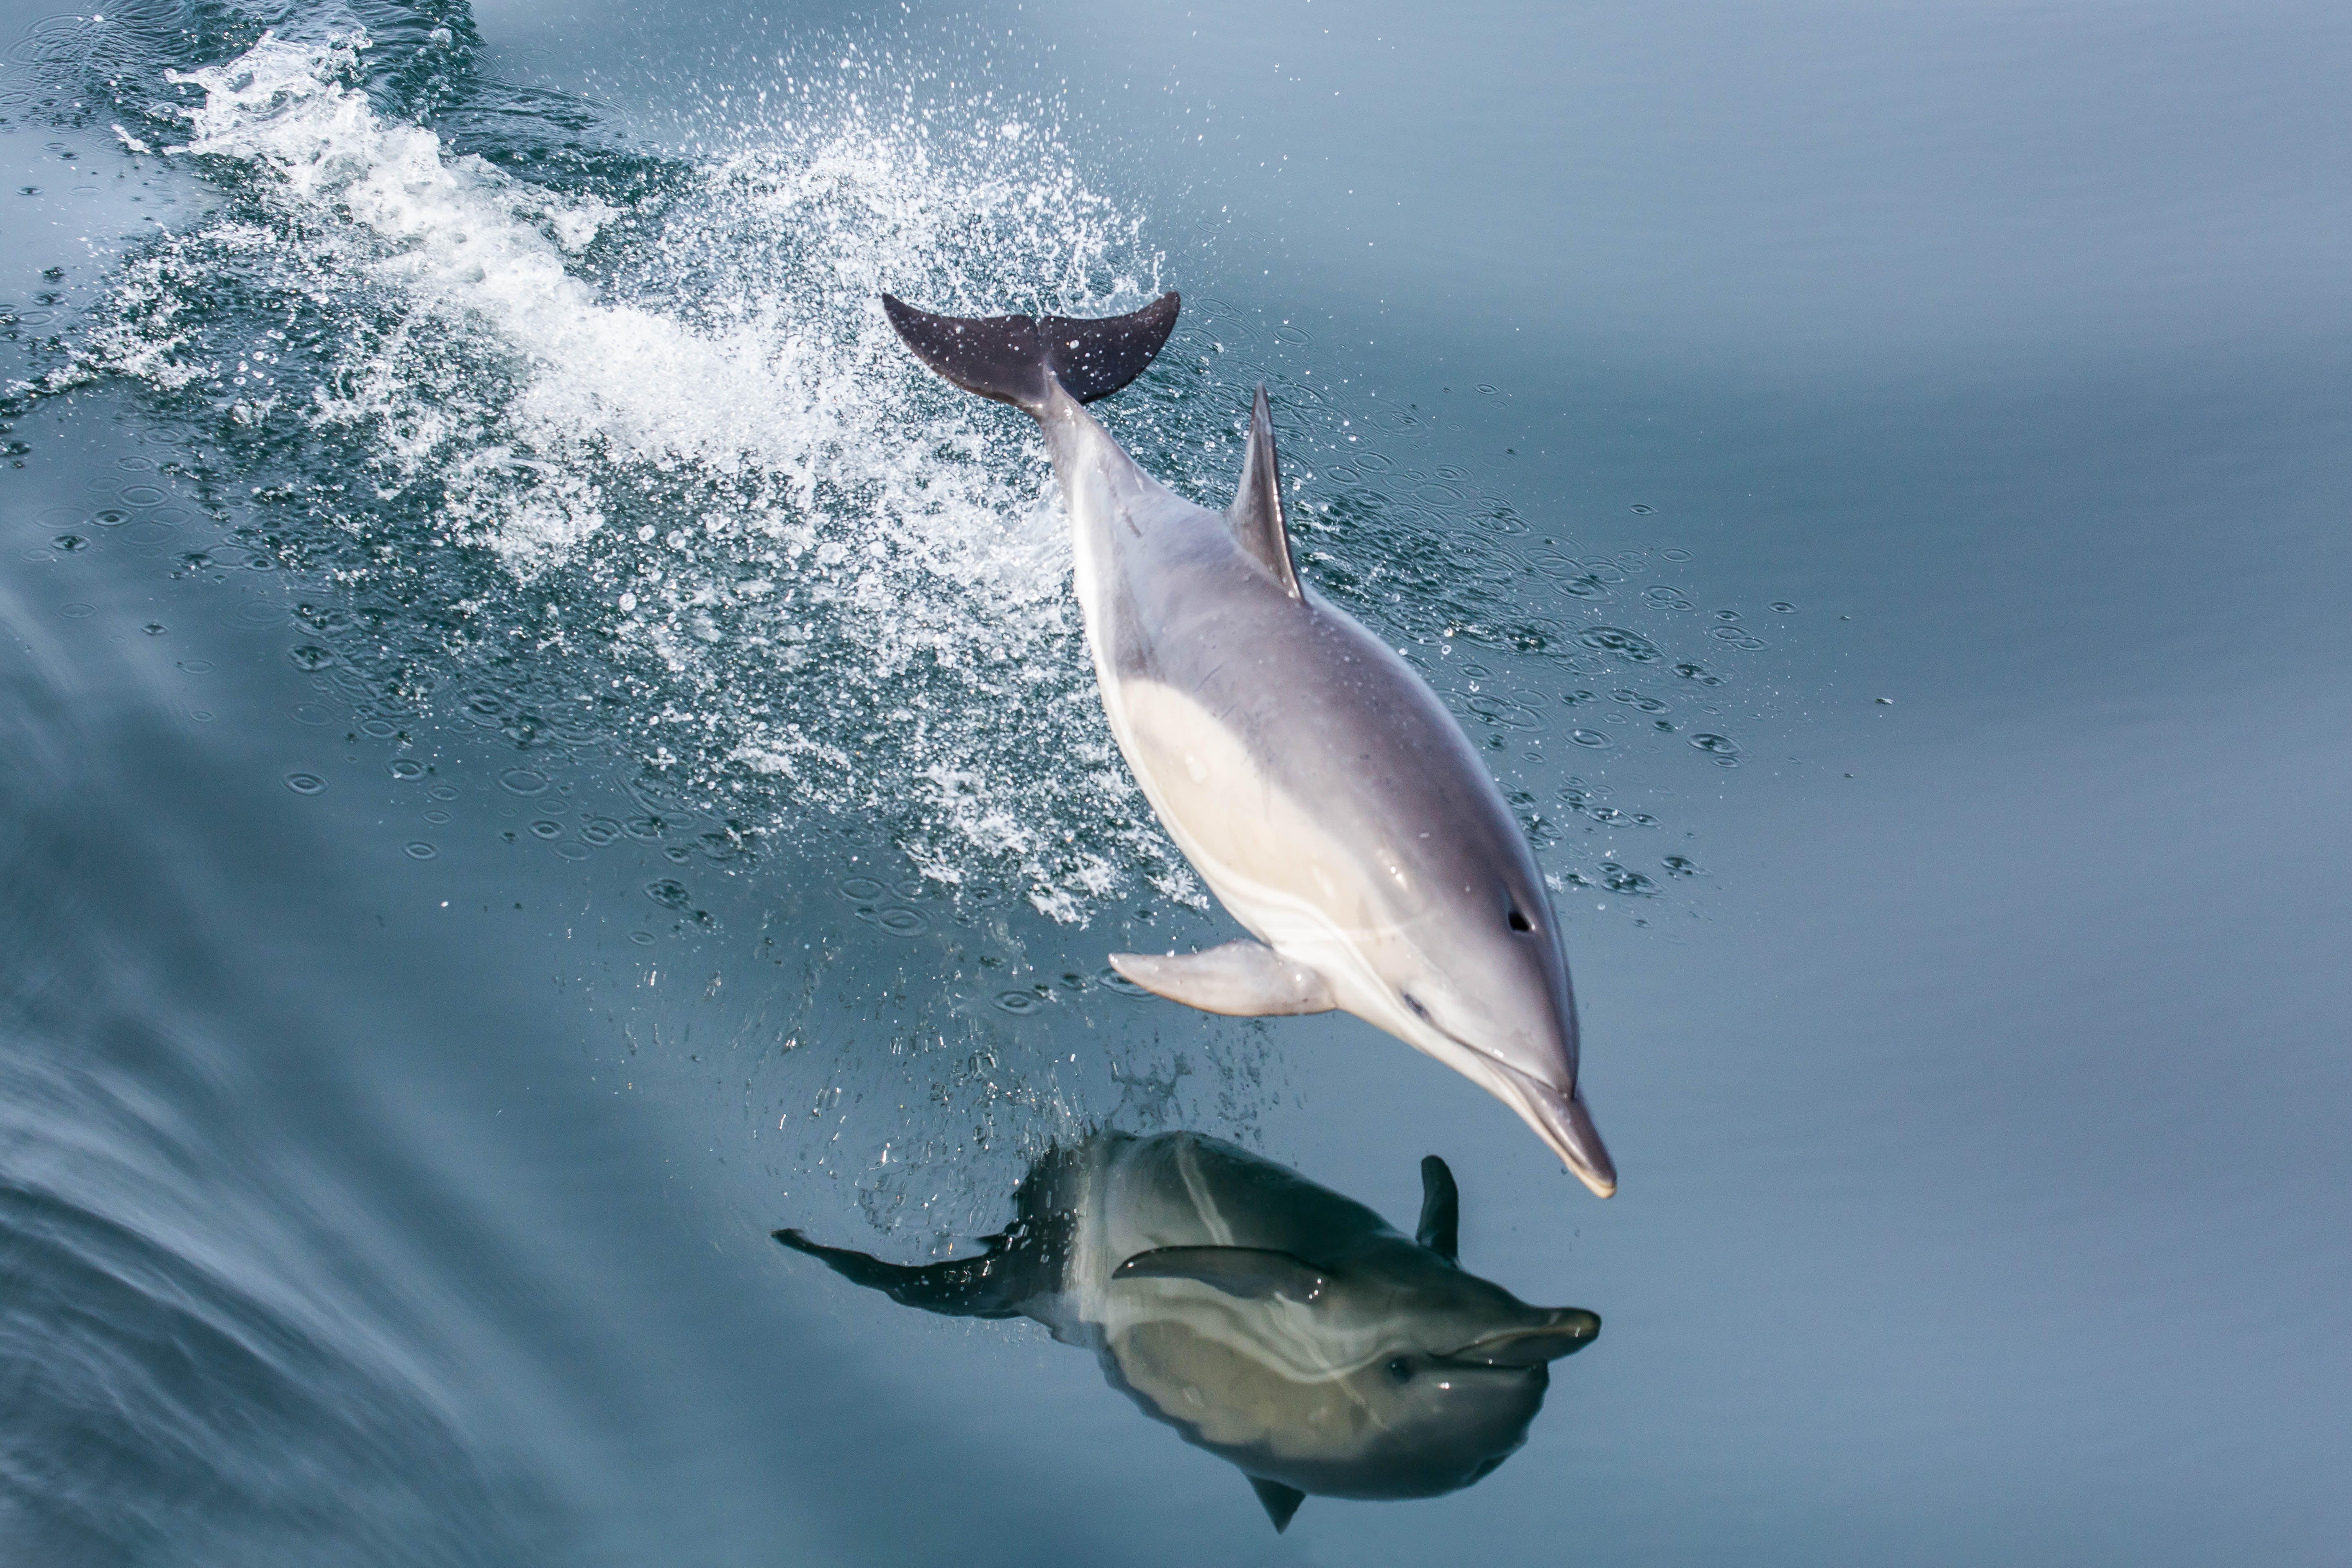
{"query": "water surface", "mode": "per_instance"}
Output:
(540, 748)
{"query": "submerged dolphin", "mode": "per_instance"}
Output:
(1278, 1325)
(1315, 782)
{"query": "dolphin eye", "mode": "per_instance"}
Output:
(1399, 1369)
(1518, 922)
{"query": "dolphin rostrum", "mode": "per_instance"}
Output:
(1282, 1327)
(1317, 784)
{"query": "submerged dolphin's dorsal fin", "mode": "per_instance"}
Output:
(1249, 1273)
(1255, 516)
(1281, 1501)
(1441, 1210)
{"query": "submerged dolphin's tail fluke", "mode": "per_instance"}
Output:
(1009, 358)
(994, 1285)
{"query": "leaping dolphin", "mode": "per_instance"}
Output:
(1274, 1323)
(1315, 782)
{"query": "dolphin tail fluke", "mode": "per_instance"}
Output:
(1017, 359)
(992, 1284)
(1281, 1503)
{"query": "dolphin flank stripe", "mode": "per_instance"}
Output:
(1312, 778)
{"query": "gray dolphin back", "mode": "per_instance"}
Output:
(1009, 358)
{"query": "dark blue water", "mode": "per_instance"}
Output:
(538, 747)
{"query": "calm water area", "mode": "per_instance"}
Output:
(539, 747)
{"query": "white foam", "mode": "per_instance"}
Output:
(849, 502)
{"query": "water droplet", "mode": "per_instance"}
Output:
(1681, 865)
(1631, 647)
(305, 783)
(1589, 737)
(407, 768)
(1716, 745)
(1619, 879)
(669, 893)
(256, 614)
(1110, 979)
(1017, 1002)
(546, 830)
(310, 656)
(154, 629)
(76, 612)
(900, 921)
(197, 666)
(523, 781)
(69, 542)
(642, 938)
(1644, 510)
(420, 850)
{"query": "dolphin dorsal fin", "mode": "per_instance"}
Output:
(1441, 1210)
(1255, 516)
(1281, 1501)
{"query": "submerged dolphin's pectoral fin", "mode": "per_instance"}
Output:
(1009, 358)
(1242, 980)
(1441, 1210)
(1280, 1501)
(992, 1284)
(1247, 1273)
(1255, 516)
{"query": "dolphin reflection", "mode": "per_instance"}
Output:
(1280, 1326)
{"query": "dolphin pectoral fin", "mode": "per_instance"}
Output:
(1242, 980)
(1009, 358)
(1280, 1501)
(1441, 1210)
(1255, 516)
(1249, 1273)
